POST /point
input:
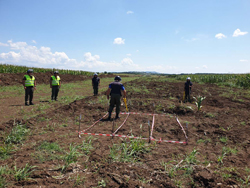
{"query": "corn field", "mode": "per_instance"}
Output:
(240, 80)
(5, 68)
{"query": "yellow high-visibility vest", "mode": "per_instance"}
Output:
(29, 81)
(55, 80)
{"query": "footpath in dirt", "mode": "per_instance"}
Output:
(217, 153)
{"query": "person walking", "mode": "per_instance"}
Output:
(29, 84)
(55, 84)
(95, 83)
(115, 90)
(187, 88)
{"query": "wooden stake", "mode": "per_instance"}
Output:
(79, 136)
(149, 140)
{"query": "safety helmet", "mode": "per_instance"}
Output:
(30, 71)
(95, 74)
(56, 72)
(188, 78)
(118, 78)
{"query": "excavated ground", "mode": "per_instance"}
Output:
(222, 116)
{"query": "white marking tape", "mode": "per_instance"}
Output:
(145, 114)
(124, 136)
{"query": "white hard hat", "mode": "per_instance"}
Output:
(188, 78)
(95, 74)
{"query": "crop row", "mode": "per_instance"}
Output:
(5, 68)
(240, 80)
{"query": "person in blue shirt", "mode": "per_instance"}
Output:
(115, 90)
(187, 88)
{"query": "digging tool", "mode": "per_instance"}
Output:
(125, 102)
(183, 97)
(79, 136)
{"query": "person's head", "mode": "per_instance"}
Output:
(188, 79)
(56, 73)
(95, 75)
(118, 79)
(30, 71)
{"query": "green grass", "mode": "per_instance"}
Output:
(17, 135)
(23, 173)
(129, 151)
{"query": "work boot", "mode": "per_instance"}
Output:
(26, 104)
(31, 103)
(117, 117)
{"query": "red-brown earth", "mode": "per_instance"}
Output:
(223, 116)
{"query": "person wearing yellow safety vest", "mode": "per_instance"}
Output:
(55, 84)
(29, 84)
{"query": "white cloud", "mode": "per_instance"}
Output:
(33, 41)
(127, 61)
(119, 41)
(191, 40)
(204, 66)
(243, 60)
(3, 44)
(237, 33)
(130, 12)
(128, 54)
(220, 36)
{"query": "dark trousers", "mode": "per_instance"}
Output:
(95, 88)
(29, 94)
(55, 91)
(187, 96)
(115, 100)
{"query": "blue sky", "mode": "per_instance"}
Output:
(127, 35)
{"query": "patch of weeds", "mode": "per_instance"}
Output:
(64, 125)
(243, 123)
(226, 176)
(203, 141)
(129, 151)
(23, 173)
(245, 182)
(47, 151)
(210, 115)
(86, 145)
(102, 183)
(4, 170)
(50, 127)
(224, 139)
(169, 168)
(79, 181)
(17, 134)
(70, 157)
(229, 150)
(143, 180)
(5, 151)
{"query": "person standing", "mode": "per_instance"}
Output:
(187, 88)
(29, 84)
(115, 90)
(55, 84)
(95, 83)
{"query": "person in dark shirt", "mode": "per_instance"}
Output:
(115, 90)
(187, 88)
(95, 84)
(29, 84)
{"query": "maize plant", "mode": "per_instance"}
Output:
(198, 101)
(5, 68)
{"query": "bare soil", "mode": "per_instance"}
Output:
(221, 116)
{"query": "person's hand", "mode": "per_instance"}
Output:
(24, 87)
(35, 88)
